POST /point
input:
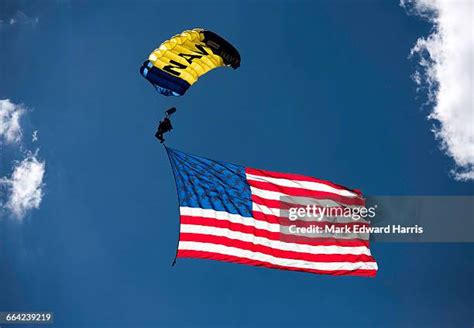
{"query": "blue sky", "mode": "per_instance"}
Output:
(324, 89)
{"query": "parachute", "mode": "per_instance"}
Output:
(179, 62)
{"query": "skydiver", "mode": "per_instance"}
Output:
(165, 125)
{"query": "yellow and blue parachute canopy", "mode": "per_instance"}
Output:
(179, 62)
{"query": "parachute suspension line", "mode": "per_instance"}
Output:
(177, 194)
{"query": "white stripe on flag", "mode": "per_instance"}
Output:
(234, 218)
(309, 185)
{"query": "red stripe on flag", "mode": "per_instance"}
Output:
(240, 260)
(278, 204)
(297, 177)
(209, 222)
(268, 202)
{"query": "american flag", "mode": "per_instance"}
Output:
(239, 214)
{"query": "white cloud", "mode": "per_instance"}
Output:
(10, 115)
(22, 191)
(19, 19)
(34, 136)
(25, 186)
(446, 71)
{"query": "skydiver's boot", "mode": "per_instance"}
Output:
(170, 111)
(159, 136)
